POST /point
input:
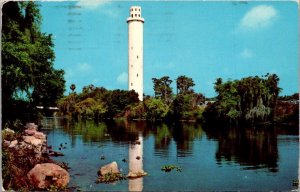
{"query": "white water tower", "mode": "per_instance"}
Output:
(135, 50)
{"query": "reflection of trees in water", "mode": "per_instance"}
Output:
(116, 131)
(162, 141)
(253, 148)
(123, 132)
(183, 135)
(88, 130)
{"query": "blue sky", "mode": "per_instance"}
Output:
(202, 40)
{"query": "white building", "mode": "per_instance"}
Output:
(135, 50)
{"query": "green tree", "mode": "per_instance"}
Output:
(156, 109)
(27, 59)
(251, 99)
(182, 106)
(118, 100)
(162, 88)
(49, 88)
(67, 104)
(227, 100)
(89, 108)
(184, 84)
(186, 104)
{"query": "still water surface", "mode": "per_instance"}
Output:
(212, 158)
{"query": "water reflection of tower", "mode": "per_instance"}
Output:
(136, 171)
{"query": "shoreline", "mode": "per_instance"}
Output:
(26, 161)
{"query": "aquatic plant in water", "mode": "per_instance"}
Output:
(111, 177)
(168, 168)
(56, 188)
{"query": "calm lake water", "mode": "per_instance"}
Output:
(212, 158)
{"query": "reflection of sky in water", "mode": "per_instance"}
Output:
(195, 150)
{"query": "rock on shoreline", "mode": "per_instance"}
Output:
(43, 174)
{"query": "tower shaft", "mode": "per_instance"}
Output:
(135, 50)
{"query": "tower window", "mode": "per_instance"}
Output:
(139, 15)
(135, 15)
(131, 47)
(135, 8)
(131, 15)
(131, 9)
(131, 84)
(139, 9)
(131, 65)
(137, 75)
(137, 56)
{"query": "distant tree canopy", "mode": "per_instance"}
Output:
(27, 73)
(100, 103)
(97, 102)
(186, 105)
(249, 99)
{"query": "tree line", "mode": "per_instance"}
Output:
(249, 100)
(98, 102)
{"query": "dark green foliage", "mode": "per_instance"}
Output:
(89, 108)
(155, 109)
(182, 105)
(111, 177)
(184, 84)
(162, 89)
(119, 100)
(187, 103)
(27, 60)
(67, 104)
(100, 103)
(251, 99)
(49, 88)
(169, 168)
(97, 103)
(138, 111)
